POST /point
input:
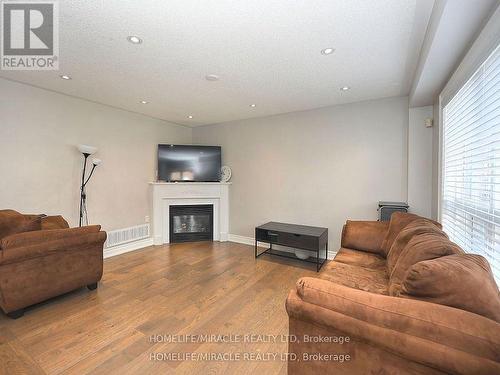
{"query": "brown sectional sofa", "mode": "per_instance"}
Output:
(41, 257)
(399, 298)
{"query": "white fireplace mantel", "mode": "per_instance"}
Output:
(166, 194)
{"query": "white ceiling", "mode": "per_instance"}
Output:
(266, 52)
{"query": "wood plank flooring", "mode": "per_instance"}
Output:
(205, 288)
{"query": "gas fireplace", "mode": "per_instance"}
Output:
(191, 223)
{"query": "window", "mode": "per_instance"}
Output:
(470, 200)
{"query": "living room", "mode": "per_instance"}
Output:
(241, 187)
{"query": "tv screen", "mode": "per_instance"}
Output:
(189, 163)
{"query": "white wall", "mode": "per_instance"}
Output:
(40, 167)
(317, 167)
(420, 161)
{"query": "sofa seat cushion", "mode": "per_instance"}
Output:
(421, 247)
(463, 281)
(416, 227)
(357, 277)
(360, 258)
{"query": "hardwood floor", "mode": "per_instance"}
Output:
(200, 288)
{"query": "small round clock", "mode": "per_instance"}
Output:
(225, 173)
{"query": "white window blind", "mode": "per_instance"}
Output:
(470, 201)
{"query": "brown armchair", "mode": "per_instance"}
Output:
(41, 257)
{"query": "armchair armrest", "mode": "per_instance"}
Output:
(39, 236)
(39, 243)
(364, 235)
(440, 337)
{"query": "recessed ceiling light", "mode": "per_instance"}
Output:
(212, 77)
(345, 88)
(144, 102)
(190, 117)
(327, 51)
(253, 105)
(65, 77)
(134, 39)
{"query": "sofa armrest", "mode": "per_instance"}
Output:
(364, 235)
(18, 247)
(441, 337)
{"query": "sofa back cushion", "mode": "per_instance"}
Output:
(12, 222)
(416, 227)
(364, 235)
(421, 247)
(463, 281)
(398, 221)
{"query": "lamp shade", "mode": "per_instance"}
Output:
(85, 149)
(96, 162)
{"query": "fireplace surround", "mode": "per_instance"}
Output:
(164, 195)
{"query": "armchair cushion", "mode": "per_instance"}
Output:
(463, 281)
(12, 222)
(54, 222)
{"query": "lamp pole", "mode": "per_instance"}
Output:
(86, 151)
(82, 188)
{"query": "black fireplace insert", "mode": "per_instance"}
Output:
(191, 223)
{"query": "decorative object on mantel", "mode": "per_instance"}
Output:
(86, 151)
(225, 173)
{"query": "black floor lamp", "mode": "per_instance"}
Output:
(86, 151)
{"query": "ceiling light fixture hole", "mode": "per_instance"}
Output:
(134, 39)
(212, 77)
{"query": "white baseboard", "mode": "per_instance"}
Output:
(127, 247)
(244, 240)
(251, 241)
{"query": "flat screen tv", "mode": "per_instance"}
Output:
(178, 163)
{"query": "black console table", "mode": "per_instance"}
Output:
(297, 236)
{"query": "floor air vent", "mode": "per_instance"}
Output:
(121, 236)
